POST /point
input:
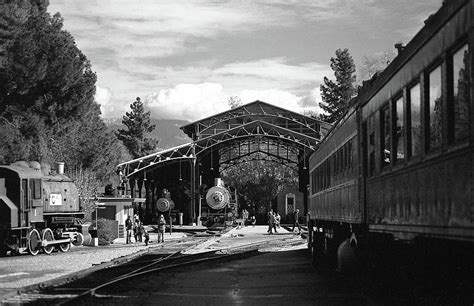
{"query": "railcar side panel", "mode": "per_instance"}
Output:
(434, 199)
(337, 204)
(334, 182)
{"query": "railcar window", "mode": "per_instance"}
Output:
(415, 119)
(461, 91)
(345, 156)
(385, 134)
(328, 174)
(371, 154)
(399, 141)
(349, 154)
(435, 108)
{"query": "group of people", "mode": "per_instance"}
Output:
(136, 229)
(274, 219)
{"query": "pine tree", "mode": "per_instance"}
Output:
(337, 94)
(138, 126)
(234, 102)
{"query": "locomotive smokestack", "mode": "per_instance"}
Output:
(60, 167)
(218, 182)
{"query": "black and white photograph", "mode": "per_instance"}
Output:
(236, 152)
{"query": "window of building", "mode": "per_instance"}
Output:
(435, 109)
(289, 203)
(415, 119)
(399, 136)
(461, 94)
(385, 142)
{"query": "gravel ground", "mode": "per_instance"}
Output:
(25, 270)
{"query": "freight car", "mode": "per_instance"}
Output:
(39, 209)
(398, 167)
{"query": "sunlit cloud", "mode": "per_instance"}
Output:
(102, 97)
(187, 101)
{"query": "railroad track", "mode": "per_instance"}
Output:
(41, 291)
(102, 284)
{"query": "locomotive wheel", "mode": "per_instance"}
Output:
(64, 247)
(79, 240)
(48, 236)
(34, 242)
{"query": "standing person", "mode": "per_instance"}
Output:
(241, 223)
(147, 236)
(161, 229)
(271, 221)
(135, 229)
(253, 220)
(277, 220)
(129, 227)
(141, 230)
(296, 222)
(245, 215)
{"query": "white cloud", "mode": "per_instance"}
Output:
(102, 97)
(197, 101)
(276, 69)
(187, 101)
(159, 28)
(273, 96)
(284, 99)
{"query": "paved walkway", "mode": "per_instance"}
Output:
(241, 236)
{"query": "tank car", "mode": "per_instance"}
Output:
(39, 209)
(398, 167)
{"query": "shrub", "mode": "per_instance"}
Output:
(106, 231)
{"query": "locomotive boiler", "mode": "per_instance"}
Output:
(39, 209)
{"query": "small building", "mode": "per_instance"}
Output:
(117, 209)
(287, 201)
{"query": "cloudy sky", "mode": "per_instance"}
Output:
(186, 58)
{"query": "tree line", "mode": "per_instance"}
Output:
(47, 108)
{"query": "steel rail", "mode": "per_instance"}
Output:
(139, 272)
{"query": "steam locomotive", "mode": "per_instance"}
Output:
(39, 209)
(398, 167)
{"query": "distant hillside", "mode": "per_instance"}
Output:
(167, 131)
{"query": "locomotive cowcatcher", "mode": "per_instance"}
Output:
(39, 209)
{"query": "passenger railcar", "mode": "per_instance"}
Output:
(399, 165)
(39, 209)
